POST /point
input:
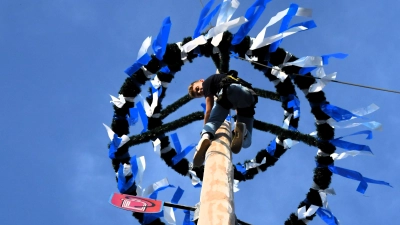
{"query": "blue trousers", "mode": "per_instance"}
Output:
(240, 97)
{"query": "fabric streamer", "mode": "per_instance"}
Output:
(336, 113)
(295, 104)
(252, 15)
(257, 42)
(143, 116)
(176, 142)
(351, 146)
(203, 14)
(160, 43)
(354, 175)
(187, 220)
(196, 182)
(169, 214)
(323, 81)
(302, 213)
(133, 116)
(153, 190)
(272, 147)
(116, 142)
(182, 154)
(157, 146)
(121, 100)
(327, 216)
(124, 185)
(142, 59)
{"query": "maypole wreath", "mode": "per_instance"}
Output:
(279, 66)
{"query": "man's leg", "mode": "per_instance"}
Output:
(217, 117)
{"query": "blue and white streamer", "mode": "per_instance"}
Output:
(142, 59)
(354, 175)
(121, 100)
(351, 146)
(160, 43)
(116, 142)
(253, 13)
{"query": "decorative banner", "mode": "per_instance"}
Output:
(182, 154)
(324, 80)
(121, 100)
(142, 59)
(257, 42)
(116, 142)
(133, 116)
(327, 216)
(302, 213)
(196, 182)
(143, 116)
(203, 19)
(336, 113)
(160, 44)
(169, 214)
(252, 15)
(354, 175)
(123, 184)
(351, 146)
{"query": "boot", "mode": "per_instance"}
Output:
(237, 137)
(201, 149)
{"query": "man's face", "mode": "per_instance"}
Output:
(198, 88)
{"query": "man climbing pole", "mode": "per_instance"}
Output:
(230, 92)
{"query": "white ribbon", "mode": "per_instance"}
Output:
(200, 40)
(111, 136)
(169, 215)
(251, 59)
(141, 162)
(253, 164)
(286, 122)
(146, 72)
(127, 170)
(302, 213)
(195, 179)
(217, 32)
(236, 186)
(121, 100)
(289, 143)
(276, 71)
(145, 46)
(307, 61)
(157, 146)
(365, 110)
(259, 41)
(343, 155)
(159, 184)
(324, 80)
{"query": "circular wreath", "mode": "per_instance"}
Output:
(285, 92)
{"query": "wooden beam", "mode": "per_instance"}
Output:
(216, 198)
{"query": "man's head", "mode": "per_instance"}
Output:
(196, 89)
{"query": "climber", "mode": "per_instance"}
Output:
(230, 92)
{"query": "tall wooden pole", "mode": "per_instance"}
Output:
(216, 198)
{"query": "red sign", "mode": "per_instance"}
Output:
(136, 204)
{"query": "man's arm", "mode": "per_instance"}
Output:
(209, 106)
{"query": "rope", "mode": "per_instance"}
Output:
(336, 81)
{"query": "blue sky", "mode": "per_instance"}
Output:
(61, 59)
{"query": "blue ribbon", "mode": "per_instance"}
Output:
(234, 55)
(160, 43)
(124, 185)
(153, 90)
(182, 154)
(272, 147)
(150, 217)
(203, 105)
(143, 116)
(327, 216)
(203, 14)
(325, 61)
(133, 116)
(142, 61)
(177, 196)
(240, 168)
(354, 175)
(284, 25)
(338, 114)
(295, 104)
(252, 15)
(352, 146)
(187, 220)
(177, 143)
(165, 69)
(115, 142)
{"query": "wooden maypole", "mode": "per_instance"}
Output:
(216, 198)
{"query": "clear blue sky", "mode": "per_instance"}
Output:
(61, 59)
